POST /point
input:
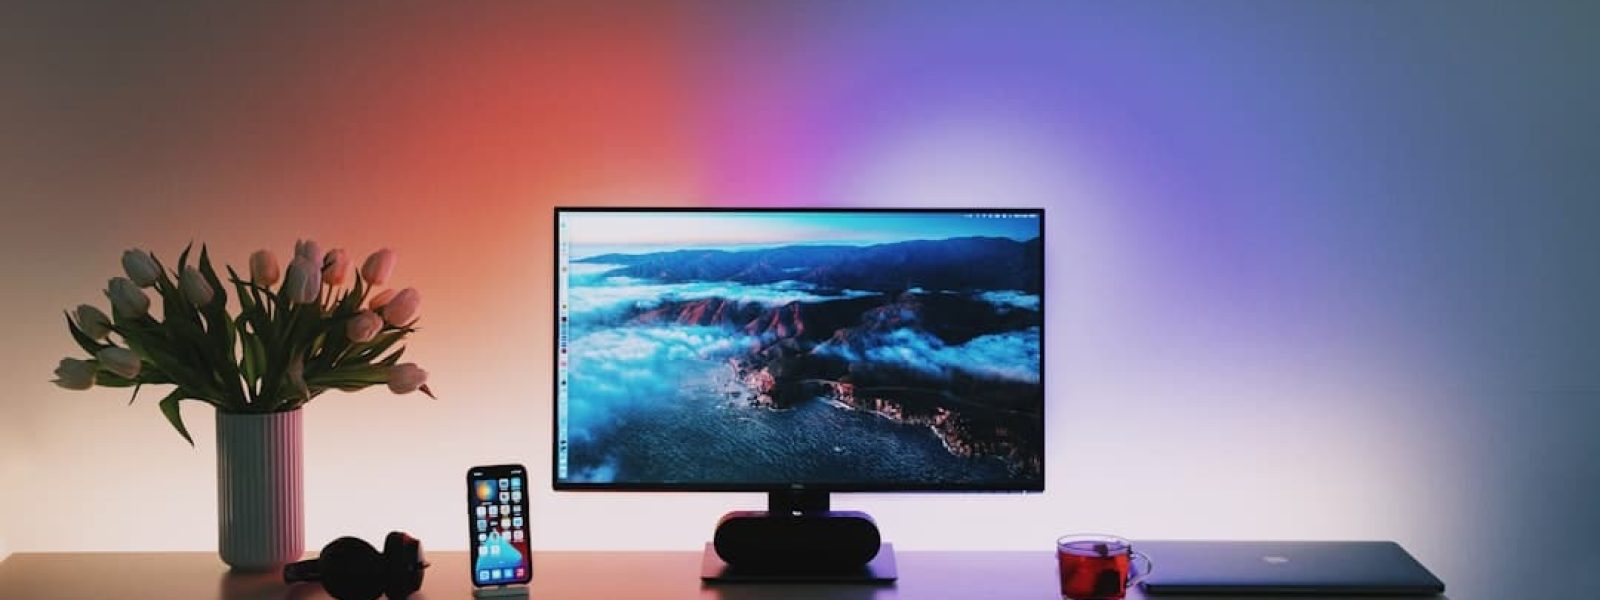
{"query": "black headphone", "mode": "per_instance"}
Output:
(350, 569)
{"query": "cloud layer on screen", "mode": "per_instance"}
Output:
(592, 295)
(1011, 299)
(615, 370)
(1012, 355)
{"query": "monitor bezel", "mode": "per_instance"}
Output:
(849, 486)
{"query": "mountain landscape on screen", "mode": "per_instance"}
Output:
(911, 362)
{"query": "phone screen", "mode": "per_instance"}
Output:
(497, 520)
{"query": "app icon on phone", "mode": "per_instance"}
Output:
(482, 525)
(516, 496)
(505, 496)
(516, 522)
(483, 537)
(505, 523)
(504, 483)
(516, 483)
(480, 511)
(494, 511)
(484, 489)
(516, 535)
(483, 575)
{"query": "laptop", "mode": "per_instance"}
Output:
(1331, 568)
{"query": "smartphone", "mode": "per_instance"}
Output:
(497, 525)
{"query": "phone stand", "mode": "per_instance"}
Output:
(501, 591)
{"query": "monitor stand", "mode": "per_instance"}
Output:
(797, 540)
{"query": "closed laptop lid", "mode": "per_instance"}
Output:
(1285, 568)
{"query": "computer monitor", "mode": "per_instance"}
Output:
(827, 350)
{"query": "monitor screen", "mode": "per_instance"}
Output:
(758, 349)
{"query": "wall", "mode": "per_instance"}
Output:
(1316, 270)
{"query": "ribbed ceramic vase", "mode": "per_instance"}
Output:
(260, 512)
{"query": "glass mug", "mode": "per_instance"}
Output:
(1098, 567)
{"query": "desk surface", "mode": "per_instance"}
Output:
(634, 575)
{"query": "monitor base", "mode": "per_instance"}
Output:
(880, 570)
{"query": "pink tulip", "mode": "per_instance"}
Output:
(141, 267)
(127, 300)
(335, 266)
(405, 378)
(381, 299)
(309, 249)
(402, 310)
(363, 327)
(195, 287)
(94, 323)
(264, 269)
(378, 267)
(121, 361)
(303, 281)
(74, 374)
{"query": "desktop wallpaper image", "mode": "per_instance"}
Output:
(867, 350)
(1316, 270)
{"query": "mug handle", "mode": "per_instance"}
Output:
(1138, 574)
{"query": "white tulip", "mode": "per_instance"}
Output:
(309, 249)
(405, 378)
(403, 308)
(127, 300)
(378, 267)
(303, 281)
(141, 268)
(195, 287)
(121, 361)
(264, 269)
(363, 327)
(381, 299)
(74, 374)
(335, 266)
(94, 323)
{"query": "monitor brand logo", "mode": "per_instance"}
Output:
(1275, 559)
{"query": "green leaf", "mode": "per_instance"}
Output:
(220, 332)
(173, 305)
(255, 356)
(175, 308)
(254, 289)
(351, 302)
(150, 375)
(183, 258)
(112, 380)
(247, 303)
(370, 350)
(146, 340)
(363, 375)
(186, 333)
(169, 407)
(220, 300)
(84, 341)
(164, 284)
(393, 359)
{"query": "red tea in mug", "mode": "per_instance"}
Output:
(1096, 567)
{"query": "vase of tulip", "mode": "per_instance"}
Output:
(291, 335)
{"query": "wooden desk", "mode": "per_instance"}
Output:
(600, 575)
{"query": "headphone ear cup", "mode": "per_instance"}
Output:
(402, 565)
(352, 570)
